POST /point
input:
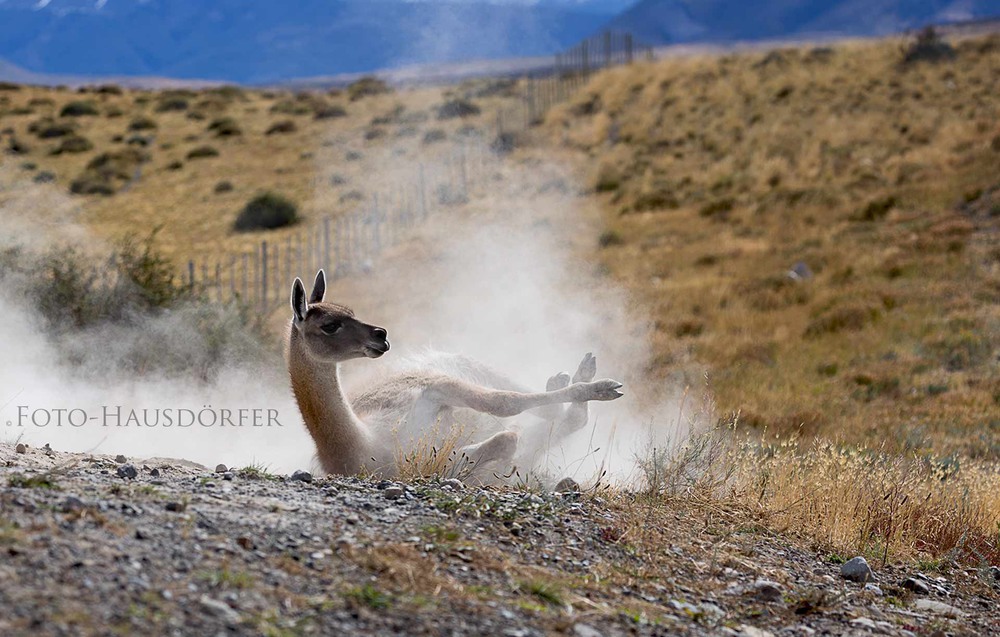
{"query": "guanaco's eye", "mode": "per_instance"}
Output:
(332, 327)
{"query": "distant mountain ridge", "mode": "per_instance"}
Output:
(257, 41)
(719, 21)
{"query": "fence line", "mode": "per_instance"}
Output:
(349, 243)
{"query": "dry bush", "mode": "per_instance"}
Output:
(366, 87)
(282, 127)
(108, 172)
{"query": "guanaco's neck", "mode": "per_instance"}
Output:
(343, 442)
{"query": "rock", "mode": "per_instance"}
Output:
(767, 591)
(128, 472)
(934, 606)
(302, 476)
(863, 622)
(995, 572)
(245, 542)
(229, 475)
(175, 507)
(746, 630)
(873, 589)
(71, 503)
(857, 570)
(583, 630)
(453, 483)
(220, 610)
(221, 468)
(800, 272)
(915, 585)
(393, 492)
(21, 448)
(141, 535)
(154, 472)
(120, 459)
(566, 485)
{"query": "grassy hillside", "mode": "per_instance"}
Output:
(813, 229)
(817, 227)
(190, 160)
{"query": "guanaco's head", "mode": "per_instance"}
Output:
(330, 332)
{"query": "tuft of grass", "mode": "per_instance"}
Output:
(225, 127)
(282, 127)
(73, 144)
(202, 152)
(369, 597)
(366, 87)
(37, 481)
(547, 592)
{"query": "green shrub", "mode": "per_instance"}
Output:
(266, 211)
(79, 108)
(457, 108)
(434, 135)
(224, 127)
(171, 103)
(367, 86)
(47, 128)
(142, 123)
(284, 126)
(331, 112)
(202, 152)
(928, 46)
(73, 144)
(108, 172)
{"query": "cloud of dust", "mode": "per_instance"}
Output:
(513, 280)
(80, 391)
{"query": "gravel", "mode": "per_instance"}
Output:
(188, 553)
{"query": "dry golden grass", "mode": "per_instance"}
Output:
(720, 173)
(298, 145)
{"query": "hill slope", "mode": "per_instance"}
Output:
(673, 21)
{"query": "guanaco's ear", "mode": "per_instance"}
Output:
(298, 301)
(319, 288)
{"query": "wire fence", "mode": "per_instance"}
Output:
(351, 242)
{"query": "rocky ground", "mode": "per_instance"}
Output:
(105, 545)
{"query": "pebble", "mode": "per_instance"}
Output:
(453, 483)
(915, 585)
(863, 622)
(746, 630)
(175, 507)
(155, 473)
(229, 475)
(21, 448)
(220, 610)
(584, 630)
(873, 589)
(221, 468)
(72, 503)
(120, 459)
(935, 606)
(245, 542)
(127, 471)
(302, 476)
(393, 492)
(767, 591)
(857, 570)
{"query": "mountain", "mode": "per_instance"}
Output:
(719, 21)
(264, 41)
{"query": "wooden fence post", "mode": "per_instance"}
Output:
(326, 243)
(191, 276)
(263, 276)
